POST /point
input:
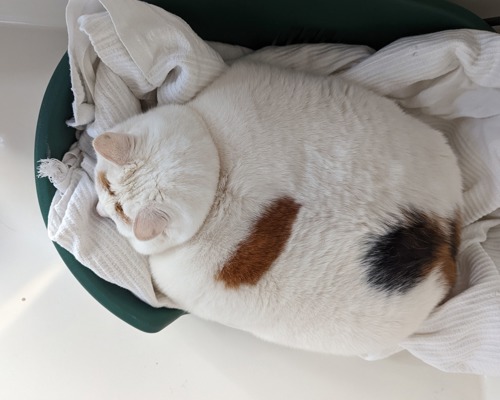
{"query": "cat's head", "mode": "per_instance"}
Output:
(156, 177)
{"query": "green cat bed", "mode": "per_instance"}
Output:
(252, 24)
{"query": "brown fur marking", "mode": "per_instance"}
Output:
(255, 255)
(101, 176)
(121, 213)
(449, 260)
(447, 235)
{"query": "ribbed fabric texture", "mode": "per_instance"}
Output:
(125, 50)
(131, 54)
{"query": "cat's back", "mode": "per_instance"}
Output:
(325, 138)
(336, 213)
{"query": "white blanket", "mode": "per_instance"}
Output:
(126, 56)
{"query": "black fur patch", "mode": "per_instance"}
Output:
(399, 259)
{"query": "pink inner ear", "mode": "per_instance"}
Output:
(149, 223)
(114, 147)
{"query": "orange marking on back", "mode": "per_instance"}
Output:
(256, 254)
(449, 265)
(447, 233)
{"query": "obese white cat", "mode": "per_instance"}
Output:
(304, 209)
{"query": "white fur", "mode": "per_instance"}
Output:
(168, 139)
(349, 157)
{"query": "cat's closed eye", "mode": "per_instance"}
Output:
(121, 214)
(103, 181)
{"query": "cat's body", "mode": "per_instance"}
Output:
(304, 209)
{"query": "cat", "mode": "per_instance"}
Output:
(304, 209)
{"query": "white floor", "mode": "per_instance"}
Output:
(56, 342)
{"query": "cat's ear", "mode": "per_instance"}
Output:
(150, 222)
(114, 147)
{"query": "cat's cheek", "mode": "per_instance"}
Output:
(100, 210)
(146, 248)
(124, 229)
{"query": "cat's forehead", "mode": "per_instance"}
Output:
(112, 188)
(130, 174)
